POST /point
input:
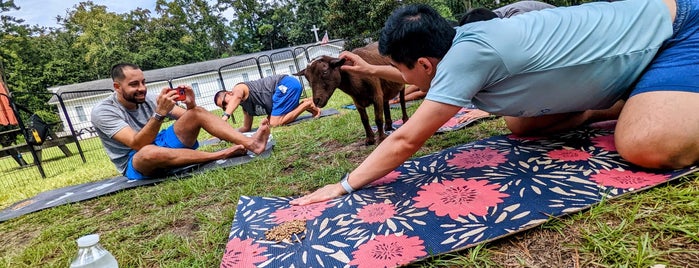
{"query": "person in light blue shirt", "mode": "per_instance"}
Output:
(546, 71)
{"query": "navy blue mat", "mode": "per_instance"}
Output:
(447, 201)
(76, 193)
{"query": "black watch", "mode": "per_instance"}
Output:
(158, 117)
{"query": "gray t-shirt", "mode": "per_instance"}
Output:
(520, 7)
(259, 102)
(109, 117)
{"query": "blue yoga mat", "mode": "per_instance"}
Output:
(447, 201)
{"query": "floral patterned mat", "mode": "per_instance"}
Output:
(447, 201)
(453, 123)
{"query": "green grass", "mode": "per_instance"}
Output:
(185, 223)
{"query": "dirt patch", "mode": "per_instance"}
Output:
(536, 248)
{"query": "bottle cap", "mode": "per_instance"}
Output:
(88, 240)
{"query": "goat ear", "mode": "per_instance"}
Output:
(336, 63)
(301, 73)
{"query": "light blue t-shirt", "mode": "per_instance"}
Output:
(552, 61)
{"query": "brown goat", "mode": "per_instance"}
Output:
(324, 75)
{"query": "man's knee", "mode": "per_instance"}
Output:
(656, 151)
(149, 154)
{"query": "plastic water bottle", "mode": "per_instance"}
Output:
(92, 255)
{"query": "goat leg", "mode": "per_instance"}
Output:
(370, 140)
(403, 106)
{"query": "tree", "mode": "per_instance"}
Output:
(308, 13)
(258, 25)
(356, 21)
(100, 34)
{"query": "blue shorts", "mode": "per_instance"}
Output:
(676, 66)
(286, 96)
(165, 138)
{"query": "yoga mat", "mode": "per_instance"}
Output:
(447, 201)
(453, 123)
(81, 192)
(305, 117)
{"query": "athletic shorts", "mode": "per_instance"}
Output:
(286, 96)
(165, 138)
(676, 66)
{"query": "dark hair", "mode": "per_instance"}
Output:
(477, 14)
(415, 31)
(117, 71)
(220, 92)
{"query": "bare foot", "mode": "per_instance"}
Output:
(236, 150)
(259, 139)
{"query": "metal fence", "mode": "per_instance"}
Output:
(75, 143)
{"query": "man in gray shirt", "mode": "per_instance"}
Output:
(128, 124)
(276, 96)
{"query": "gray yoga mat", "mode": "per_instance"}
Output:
(81, 192)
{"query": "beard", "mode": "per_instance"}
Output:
(135, 98)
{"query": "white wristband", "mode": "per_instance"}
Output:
(346, 184)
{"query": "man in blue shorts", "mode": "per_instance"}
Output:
(276, 96)
(546, 71)
(128, 123)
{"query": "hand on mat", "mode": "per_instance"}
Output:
(473, 114)
(328, 192)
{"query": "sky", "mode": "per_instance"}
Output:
(44, 12)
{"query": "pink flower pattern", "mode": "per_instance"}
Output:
(569, 155)
(307, 212)
(605, 142)
(478, 158)
(627, 179)
(389, 178)
(242, 254)
(376, 213)
(388, 251)
(459, 197)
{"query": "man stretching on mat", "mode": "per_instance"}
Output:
(276, 96)
(545, 71)
(128, 124)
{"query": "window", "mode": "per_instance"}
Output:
(268, 72)
(80, 111)
(291, 69)
(246, 78)
(195, 88)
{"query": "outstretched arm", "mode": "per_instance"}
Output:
(392, 152)
(356, 64)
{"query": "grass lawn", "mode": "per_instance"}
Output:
(185, 223)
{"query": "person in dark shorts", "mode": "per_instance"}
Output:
(276, 96)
